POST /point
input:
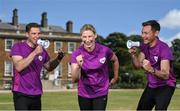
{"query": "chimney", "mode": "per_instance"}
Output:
(69, 26)
(15, 17)
(44, 20)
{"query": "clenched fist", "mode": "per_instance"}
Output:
(79, 59)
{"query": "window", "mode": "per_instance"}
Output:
(8, 44)
(8, 68)
(69, 70)
(71, 47)
(57, 46)
(43, 73)
(58, 71)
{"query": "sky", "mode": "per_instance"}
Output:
(107, 16)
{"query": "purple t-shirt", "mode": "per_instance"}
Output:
(94, 80)
(28, 80)
(160, 51)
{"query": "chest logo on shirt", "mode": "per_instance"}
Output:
(156, 58)
(102, 60)
(40, 58)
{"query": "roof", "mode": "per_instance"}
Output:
(50, 28)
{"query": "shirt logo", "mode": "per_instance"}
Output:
(102, 60)
(40, 58)
(156, 58)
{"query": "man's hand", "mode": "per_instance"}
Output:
(38, 50)
(61, 54)
(133, 51)
(147, 66)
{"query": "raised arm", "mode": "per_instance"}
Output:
(21, 63)
(163, 73)
(75, 70)
(51, 65)
(137, 58)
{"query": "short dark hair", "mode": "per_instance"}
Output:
(30, 25)
(155, 26)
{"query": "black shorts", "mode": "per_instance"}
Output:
(26, 102)
(159, 97)
(98, 103)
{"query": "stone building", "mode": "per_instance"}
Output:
(58, 37)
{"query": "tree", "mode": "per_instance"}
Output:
(176, 53)
(117, 42)
(130, 78)
(100, 39)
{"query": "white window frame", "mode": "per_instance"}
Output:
(71, 49)
(58, 68)
(55, 46)
(69, 70)
(43, 70)
(10, 71)
(6, 47)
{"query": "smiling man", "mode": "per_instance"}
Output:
(156, 59)
(28, 59)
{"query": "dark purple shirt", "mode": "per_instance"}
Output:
(28, 80)
(160, 51)
(94, 80)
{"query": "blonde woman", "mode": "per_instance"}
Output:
(91, 60)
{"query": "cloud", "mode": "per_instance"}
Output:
(132, 33)
(171, 20)
(168, 41)
(177, 36)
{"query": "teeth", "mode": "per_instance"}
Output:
(88, 43)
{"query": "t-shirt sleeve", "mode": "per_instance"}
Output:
(73, 56)
(109, 53)
(143, 48)
(15, 50)
(166, 53)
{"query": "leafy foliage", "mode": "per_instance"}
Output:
(129, 77)
(176, 53)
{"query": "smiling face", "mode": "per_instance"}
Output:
(33, 35)
(88, 38)
(149, 36)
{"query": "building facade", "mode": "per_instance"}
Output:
(59, 37)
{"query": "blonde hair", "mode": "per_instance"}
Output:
(88, 27)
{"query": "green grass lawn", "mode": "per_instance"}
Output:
(67, 100)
